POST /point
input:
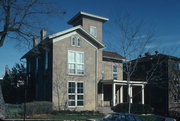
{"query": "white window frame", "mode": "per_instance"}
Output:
(76, 94)
(92, 32)
(76, 73)
(73, 39)
(114, 72)
(46, 64)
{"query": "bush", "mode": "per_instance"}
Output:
(41, 107)
(135, 108)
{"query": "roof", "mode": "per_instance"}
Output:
(112, 55)
(80, 14)
(60, 34)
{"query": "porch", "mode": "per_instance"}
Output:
(116, 91)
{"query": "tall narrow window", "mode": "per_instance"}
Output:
(29, 66)
(102, 72)
(46, 60)
(73, 41)
(78, 42)
(75, 94)
(115, 72)
(75, 62)
(93, 31)
(37, 62)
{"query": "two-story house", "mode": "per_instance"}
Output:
(162, 72)
(71, 69)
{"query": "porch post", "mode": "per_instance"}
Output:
(142, 93)
(130, 94)
(102, 95)
(121, 94)
(114, 94)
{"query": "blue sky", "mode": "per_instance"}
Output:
(163, 14)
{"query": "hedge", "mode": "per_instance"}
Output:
(135, 108)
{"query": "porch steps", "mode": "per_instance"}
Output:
(105, 110)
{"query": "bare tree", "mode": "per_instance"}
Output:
(20, 20)
(133, 38)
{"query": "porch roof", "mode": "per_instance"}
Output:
(123, 82)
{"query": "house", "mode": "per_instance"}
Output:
(162, 72)
(71, 69)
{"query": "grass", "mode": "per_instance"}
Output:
(67, 116)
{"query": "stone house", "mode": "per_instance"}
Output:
(71, 69)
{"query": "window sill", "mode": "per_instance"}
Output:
(76, 74)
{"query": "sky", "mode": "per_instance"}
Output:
(163, 14)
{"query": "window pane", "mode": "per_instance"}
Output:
(71, 57)
(71, 97)
(71, 68)
(71, 103)
(73, 41)
(79, 57)
(80, 88)
(114, 68)
(93, 30)
(78, 42)
(80, 103)
(71, 88)
(46, 60)
(80, 69)
(80, 97)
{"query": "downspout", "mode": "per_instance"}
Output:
(96, 78)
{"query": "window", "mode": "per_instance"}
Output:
(46, 60)
(73, 41)
(102, 72)
(75, 62)
(29, 66)
(177, 66)
(78, 42)
(75, 94)
(115, 72)
(37, 64)
(93, 31)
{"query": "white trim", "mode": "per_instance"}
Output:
(88, 14)
(78, 41)
(64, 33)
(64, 36)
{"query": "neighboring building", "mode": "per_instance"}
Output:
(162, 72)
(71, 69)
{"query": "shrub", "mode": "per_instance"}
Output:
(41, 107)
(135, 108)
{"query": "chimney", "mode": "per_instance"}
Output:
(35, 41)
(156, 52)
(6, 69)
(147, 54)
(43, 34)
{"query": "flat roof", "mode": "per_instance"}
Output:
(78, 15)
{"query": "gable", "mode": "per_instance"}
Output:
(78, 29)
(67, 37)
